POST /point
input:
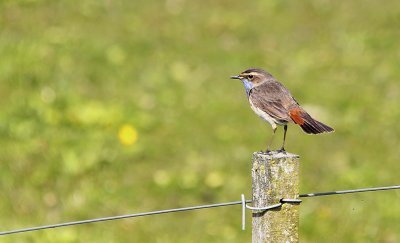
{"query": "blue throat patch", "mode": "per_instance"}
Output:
(247, 85)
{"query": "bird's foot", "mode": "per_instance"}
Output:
(266, 151)
(281, 150)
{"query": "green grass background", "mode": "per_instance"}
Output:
(72, 73)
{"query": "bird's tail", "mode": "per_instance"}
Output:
(312, 126)
(307, 123)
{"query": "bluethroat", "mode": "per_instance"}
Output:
(273, 102)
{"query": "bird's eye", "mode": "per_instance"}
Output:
(250, 76)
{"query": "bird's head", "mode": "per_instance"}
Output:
(253, 77)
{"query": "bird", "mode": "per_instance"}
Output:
(274, 103)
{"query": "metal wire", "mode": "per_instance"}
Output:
(263, 209)
(243, 212)
(191, 208)
(266, 208)
(291, 201)
(317, 194)
(122, 217)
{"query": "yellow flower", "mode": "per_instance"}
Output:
(127, 135)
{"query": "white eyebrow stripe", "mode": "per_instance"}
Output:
(252, 73)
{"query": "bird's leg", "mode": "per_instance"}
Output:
(272, 139)
(284, 138)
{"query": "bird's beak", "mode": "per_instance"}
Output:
(235, 77)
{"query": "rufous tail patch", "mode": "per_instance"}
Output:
(295, 114)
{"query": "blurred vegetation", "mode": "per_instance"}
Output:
(114, 107)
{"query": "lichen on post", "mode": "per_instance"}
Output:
(275, 176)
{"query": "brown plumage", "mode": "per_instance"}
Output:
(270, 100)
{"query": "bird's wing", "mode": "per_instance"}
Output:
(274, 99)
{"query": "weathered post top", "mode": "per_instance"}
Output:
(275, 176)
